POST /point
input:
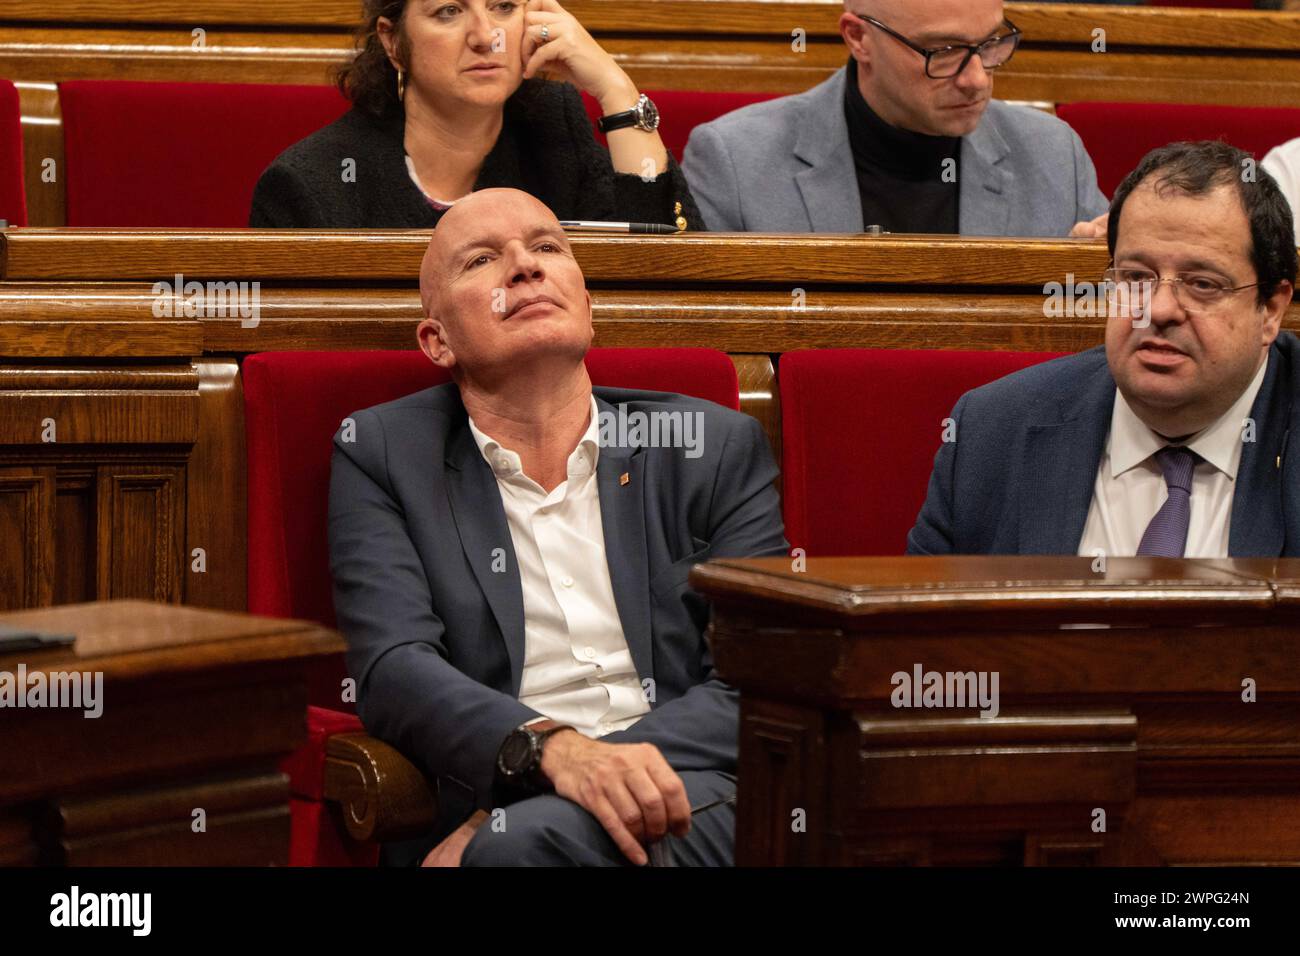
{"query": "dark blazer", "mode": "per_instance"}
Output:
(436, 638)
(1019, 478)
(546, 148)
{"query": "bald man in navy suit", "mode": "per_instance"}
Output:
(511, 575)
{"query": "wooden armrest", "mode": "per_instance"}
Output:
(383, 795)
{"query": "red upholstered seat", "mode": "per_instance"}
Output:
(179, 154)
(13, 202)
(189, 154)
(1118, 135)
(294, 403)
(683, 110)
(859, 431)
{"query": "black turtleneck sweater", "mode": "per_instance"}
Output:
(900, 173)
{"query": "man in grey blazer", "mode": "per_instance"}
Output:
(907, 137)
(510, 568)
(1172, 439)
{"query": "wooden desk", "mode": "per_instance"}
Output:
(197, 709)
(1143, 722)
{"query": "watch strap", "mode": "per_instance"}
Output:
(607, 124)
(542, 729)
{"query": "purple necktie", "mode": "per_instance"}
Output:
(1166, 535)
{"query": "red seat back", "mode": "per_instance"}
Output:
(1118, 135)
(294, 403)
(859, 431)
(683, 110)
(13, 202)
(183, 155)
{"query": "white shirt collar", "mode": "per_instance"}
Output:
(506, 463)
(440, 203)
(1131, 442)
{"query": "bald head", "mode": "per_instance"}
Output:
(476, 218)
(500, 288)
(930, 22)
(892, 75)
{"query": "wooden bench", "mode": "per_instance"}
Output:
(1213, 57)
(147, 459)
(1238, 57)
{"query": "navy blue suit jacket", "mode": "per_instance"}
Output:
(1019, 477)
(436, 636)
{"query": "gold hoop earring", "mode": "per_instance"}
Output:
(401, 84)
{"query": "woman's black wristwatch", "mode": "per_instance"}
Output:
(519, 761)
(645, 115)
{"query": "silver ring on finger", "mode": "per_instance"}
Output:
(546, 33)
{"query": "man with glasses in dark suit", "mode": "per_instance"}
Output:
(1172, 439)
(907, 137)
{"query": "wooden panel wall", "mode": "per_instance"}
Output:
(93, 465)
(1161, 54)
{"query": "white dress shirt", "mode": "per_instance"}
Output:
(577, 666)
(1130, 487)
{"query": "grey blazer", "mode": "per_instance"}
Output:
(1019, 478)
(436, 636)
(786, 166)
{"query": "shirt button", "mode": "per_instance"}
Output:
(589, 653)
(567, 581)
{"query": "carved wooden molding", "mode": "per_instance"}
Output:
(237, 818)
(27, 510)
(141, 520)
(783, 763)
(383, 795)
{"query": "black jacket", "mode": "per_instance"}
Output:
(546, 148)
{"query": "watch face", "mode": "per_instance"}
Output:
(517, 753)
(649, 113)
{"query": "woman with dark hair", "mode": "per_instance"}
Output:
(450, 96)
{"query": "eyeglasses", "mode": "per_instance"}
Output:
(1135, 289)
(944, 62)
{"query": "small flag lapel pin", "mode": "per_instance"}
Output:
(624, 478)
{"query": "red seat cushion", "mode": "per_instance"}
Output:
(124, 168)
(318, 838)
(1118, 135)
(681, 111)
(13, 202)
(860, 428)
(183, 155)
(306, 766)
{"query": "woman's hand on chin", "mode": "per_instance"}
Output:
(571, 54)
